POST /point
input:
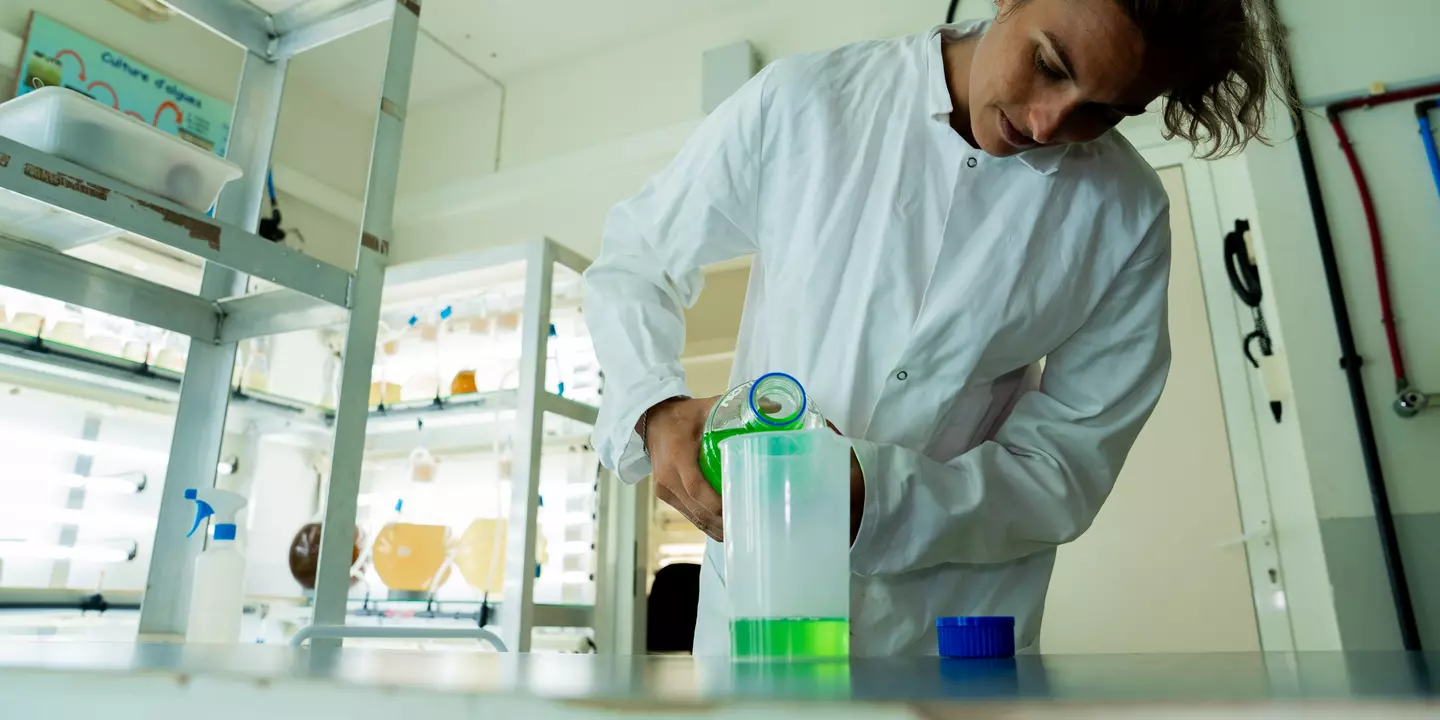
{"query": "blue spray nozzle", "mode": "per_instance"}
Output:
(202, 511)
(206, 502)
(447, 312)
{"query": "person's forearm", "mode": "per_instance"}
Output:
(638, 334)
(1038, 484)
(989, 506)
(701, 209)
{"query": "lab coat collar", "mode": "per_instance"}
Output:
(1043, 160)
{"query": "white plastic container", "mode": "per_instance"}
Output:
(38, 222)
(217, 591)
(71, 126)
(787, 544)
(217, 597)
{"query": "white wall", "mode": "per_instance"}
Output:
(582, 135)
(1340, 47)
(1160, 570)
(450, 140)
(1390, 42)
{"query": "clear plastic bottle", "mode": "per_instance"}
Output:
(173, 353)
(66, 327)
(422, 358)
(27, 314)
(385, 388)
(554, 374)
(333, 365)
(217, 594)
(256, 375)
(104, 333)
(773, 402)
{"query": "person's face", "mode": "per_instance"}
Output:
(1056, 71)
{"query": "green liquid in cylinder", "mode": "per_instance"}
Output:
(790, 637)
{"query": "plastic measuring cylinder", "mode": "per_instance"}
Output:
(772, 402)
(787, 544)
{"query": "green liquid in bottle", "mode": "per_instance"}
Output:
(790, 637)
(710, 452)
(710, 446)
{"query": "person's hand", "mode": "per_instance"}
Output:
(673, 431)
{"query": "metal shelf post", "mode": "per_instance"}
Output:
(205, 388)
(620, 602)
(530, 429)
(332, 580)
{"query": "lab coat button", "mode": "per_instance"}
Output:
(901, 375)
(971, 162)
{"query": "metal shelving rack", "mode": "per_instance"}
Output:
(618, 614)
(313, 294)
(222, 313)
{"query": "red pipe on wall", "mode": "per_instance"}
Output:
(1372, 219)
(1386, 98)
(1382, 277)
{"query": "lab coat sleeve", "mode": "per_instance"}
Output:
(699, 210)
(1042, 478)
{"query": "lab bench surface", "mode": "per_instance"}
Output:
(140, 680)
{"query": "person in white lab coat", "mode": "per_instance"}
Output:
(930, 217)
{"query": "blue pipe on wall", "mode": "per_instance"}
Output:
(1427, 136)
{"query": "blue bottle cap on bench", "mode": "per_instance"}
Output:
(976, 637)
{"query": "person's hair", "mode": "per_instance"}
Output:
(1224, 57)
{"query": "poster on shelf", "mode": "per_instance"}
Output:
(56, 55)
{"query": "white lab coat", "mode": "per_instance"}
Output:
(913, 284)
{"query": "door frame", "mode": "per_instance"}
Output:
(1241, 420)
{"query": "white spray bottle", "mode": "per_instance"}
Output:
(217, 594)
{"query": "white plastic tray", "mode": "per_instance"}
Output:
(37, 222)
(71, 126)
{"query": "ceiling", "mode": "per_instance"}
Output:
(506, 37)
(501, 37)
